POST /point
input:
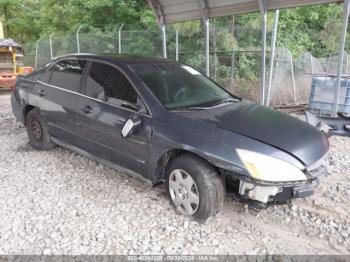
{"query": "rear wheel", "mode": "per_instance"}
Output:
(38, 134)
(194, 187)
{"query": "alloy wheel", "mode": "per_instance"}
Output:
(184, 192)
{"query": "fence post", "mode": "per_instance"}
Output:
(328, 63)
(293, 80)
(164, 40)
(120, 39)
(50, 41)
(177, 45)
(78, 40)
(232, 70)
(36, 54)
(312, 68)
(273, 48)
(263, 14)
(341, 57)
(207, 47)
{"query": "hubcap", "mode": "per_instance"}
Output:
(36, 129)
(183, 192)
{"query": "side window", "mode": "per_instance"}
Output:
(39, 73)
(67, 74)
(45, 77)
(108, 84)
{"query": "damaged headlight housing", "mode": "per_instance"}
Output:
(266, 168)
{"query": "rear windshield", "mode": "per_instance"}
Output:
(180, 86)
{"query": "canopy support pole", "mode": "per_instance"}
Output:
(50, 42)
(36, 54)
(120, 39)
(203, 6)
(341, 57)
(293, 79)
(78, 40)
(164, 41)
(207, 47)
(177, 45)
(158, 10)
(263, 13)
(272, 58)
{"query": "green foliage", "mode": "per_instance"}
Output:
(235, 42)
(314, 29)
(27, 20)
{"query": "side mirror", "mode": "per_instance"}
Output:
(130, 127)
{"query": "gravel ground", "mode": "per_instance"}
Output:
(58, 202)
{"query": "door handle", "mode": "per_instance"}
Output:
(41, 92)
(87, 109)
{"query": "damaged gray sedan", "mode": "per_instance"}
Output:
(166, 122)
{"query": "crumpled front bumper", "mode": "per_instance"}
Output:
(275, 192)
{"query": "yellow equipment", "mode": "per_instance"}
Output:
(11, 63)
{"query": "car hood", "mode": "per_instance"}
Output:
(269, 126)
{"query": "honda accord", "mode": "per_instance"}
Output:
(166, 122)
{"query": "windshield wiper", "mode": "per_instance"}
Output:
(206, 105)
(186, 108)
(224, 101)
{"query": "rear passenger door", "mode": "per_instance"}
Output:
(108, 100)
(57, 92)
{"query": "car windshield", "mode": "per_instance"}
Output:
(180, 86)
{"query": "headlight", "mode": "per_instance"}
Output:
(267, 168)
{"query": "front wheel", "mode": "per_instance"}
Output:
(194, 187)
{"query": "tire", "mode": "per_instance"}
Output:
(38, 134)
(207, 186)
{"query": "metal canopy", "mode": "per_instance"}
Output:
(172, 11)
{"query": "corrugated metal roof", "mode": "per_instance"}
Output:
(9, 42)
(182, 10)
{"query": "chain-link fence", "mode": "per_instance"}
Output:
(235, 52)
(29, 54)
(281, 89)
(330, 64)
(234, 57)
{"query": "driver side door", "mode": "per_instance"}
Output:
(108, 100)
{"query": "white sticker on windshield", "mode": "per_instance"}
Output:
(190, 70)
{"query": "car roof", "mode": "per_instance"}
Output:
(120, 59)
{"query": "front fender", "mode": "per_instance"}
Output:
(218, 146)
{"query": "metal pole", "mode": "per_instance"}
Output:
(312, 68)
(120, 39)
(232, 70)
(164, 41)
(263, 59)
(78, 40)
(207, 47)
(50, 40)
(320, 67)
(177, 45)
(293, 80)
(329, 61)
(36, 54)
(341, 57)
(273, 48)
